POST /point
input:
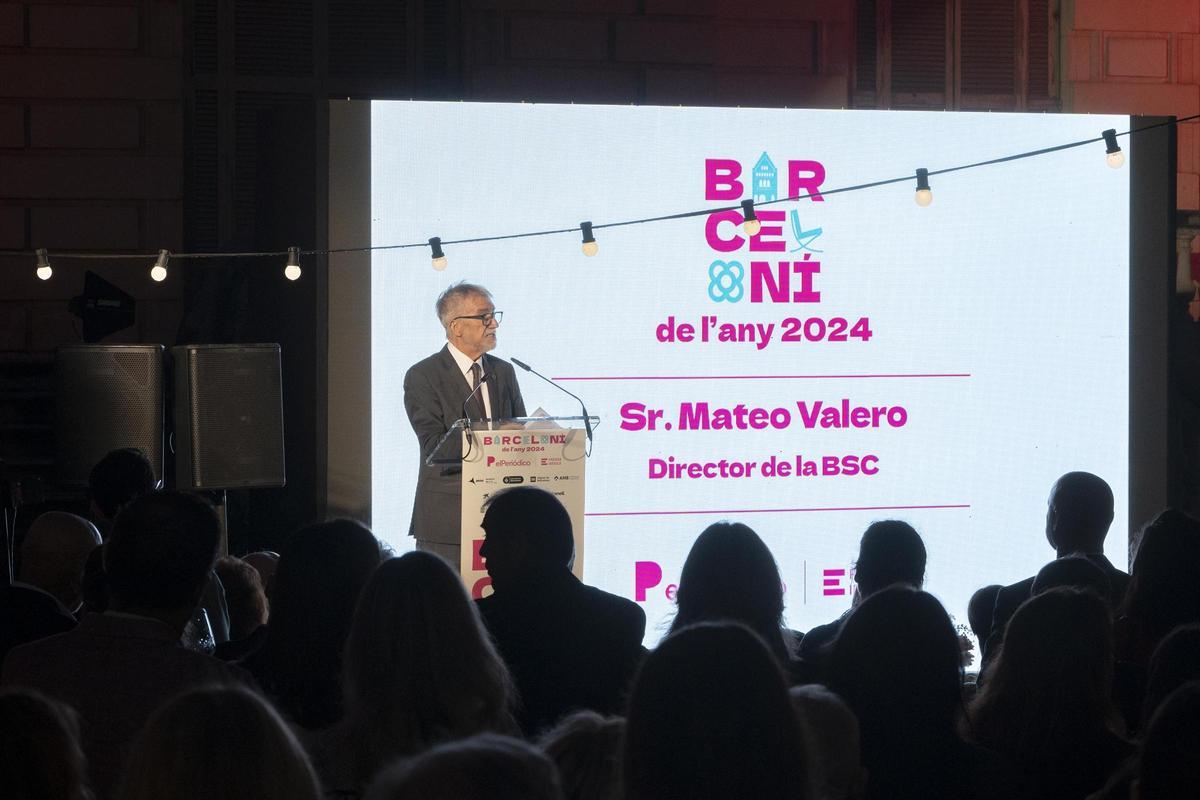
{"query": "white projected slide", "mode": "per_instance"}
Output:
(861, 358)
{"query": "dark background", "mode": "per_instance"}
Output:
(134, 125)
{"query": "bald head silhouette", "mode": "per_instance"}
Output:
(53, 555)
(1078, 513)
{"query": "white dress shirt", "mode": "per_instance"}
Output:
(464, 366)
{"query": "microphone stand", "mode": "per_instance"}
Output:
(587, 420)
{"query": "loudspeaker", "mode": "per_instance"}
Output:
(107, 396)
(228, 416)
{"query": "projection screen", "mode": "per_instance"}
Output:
(861, 358)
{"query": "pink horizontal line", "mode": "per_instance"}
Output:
(832, 582)
(834, 572)
(767, 510)
(758, 377)
(834, 592)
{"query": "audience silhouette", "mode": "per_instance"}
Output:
(419, 670)
(1078, 515)
(40, 756)
(1164, 590)
(1047, 705)
(399, 686)
(218, 743)
(248, 608)
(979, 610)
(1176, 661)
(1075, 571)
(116, 668)
(831, 730)
(116, 480)
(890, 552)
(321, 570)
(49, 587)
(1167, 765)
(483, 767)
(896, 663)
(586, 748)
(730, 575)
(710, 718)
(1164, 593)
(569, 646)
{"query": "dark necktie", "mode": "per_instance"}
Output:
(476, 405)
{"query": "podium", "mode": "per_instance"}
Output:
(548, 453)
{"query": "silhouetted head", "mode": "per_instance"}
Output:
(831, 730)
(158, 556)
(1176, 661)
(890, 552)
(730, 574)
(1049, 689)
(586, 748)
(40, 754)
(484, 767)
(265, 562)
(321, 570)
(710, 717)
(896, 663)
(420, 667)
(53, 555)
(1164, 586)
(218, 743)
(1168, 768)
(118, 478)
(244, 596)
(528, 533)
(980, 608)
(1078, 513)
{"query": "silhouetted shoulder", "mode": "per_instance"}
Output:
(819, 641)
(622, 612)
(1008, 600)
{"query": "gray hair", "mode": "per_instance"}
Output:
(448, 300)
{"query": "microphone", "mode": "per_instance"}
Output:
(587, 421)
(482, 380)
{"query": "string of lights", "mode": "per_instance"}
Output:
(1114, 156)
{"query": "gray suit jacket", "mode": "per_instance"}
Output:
(434, 391)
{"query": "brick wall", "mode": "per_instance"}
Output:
(1138, 58)
(659, 52)
(91, 154)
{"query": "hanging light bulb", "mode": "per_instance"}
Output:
(1114, 157)
(292, 270)
(44, 270)
(590, 248)
(924, 193)
(158, 272)
(750, 223)
(439, 258)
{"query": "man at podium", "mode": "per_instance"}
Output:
(436, 389)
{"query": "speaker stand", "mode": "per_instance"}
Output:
(222, 505)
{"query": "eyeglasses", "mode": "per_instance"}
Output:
(486, 319)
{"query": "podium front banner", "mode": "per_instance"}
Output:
(552, 459)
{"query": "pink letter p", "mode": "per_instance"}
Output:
(646, 575)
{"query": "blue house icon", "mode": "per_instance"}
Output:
(766, 180)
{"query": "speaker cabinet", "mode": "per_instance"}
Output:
(228, 416)
(107, 396)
